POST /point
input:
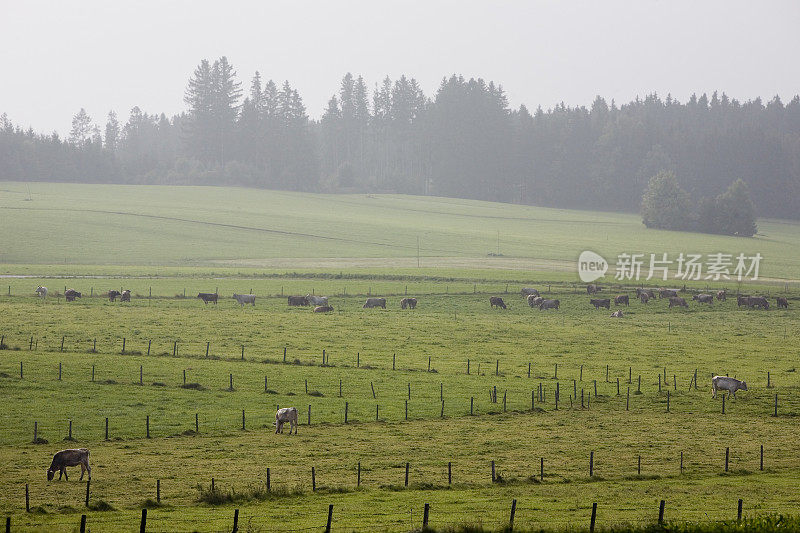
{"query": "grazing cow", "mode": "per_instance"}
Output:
(622, 299)
(725, 383)
(113, 295)
(317, 300)
(677, 301)
(245, 299)
(648, 292)
(534, 300)
(208, 297)
(722, 296)
(704, 298)
(742, 299)
(601, 302)
(125, 296)
(65, 458)
(644, 297)
(593, 289)
(782, 302)
(549, 304)
(298, 300)
(757, 301)
(528, 291)
(617, 314)
(496, 301)
(410, 303)
(667, 293)
(287, 414)
(71, 294)
(374, 302)
(323, 309)
(42, 292)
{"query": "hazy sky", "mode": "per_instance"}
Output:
(60, 56)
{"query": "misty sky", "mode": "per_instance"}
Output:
(60, 56)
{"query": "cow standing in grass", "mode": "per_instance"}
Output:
(677, 301)
(208, 297)
(408, 303)
(534, 301)
(593, 289)
(704, 298)
(113, 295)
(782, 302)
(644, 297)
(298, 300)
(622, 299)
(725, 383)
(549, 304)
(245, 299)
(125, 296)
(372, 303)
(286, 414)
(42, 292)
(667, 293)
(317, 300)
(722, 296)
(601, 302)
(71, 294)
(496, 301)
(65, 458)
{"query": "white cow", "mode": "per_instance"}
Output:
(42, 292)
(725, 383)
(286, 414)
(245, 299)
(317, 300)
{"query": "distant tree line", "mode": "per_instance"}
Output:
(462, 141)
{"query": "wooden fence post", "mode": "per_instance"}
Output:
(83, 524)
(661, 512)
(106, 428)
(449, 472)
(69, 433)
(541, 469)
(776, 405)
(511, 519)
(143, 524)
(594, 517)
(35, 432)
(406, 409)
(88, 483)
(196, 423)
(158, 490)
(27, 499)
(681, 462)
(309, 414)
(425, 513)
(406, 483)
(727, 457)
(761, 463)
(59, 371)
(147, 427)
(639, 466)
(346, 406)
(313, 479)
(723, 404)
(235, 521)
(591, 463)
(269, 482)
(243, 421)
(123, 345)
(330, 519)
(739, 511)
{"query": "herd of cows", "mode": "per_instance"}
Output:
(534, 299)
(80, 457)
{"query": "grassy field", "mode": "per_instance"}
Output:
(154, 225)
(442, 362)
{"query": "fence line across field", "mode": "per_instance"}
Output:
(429, 511)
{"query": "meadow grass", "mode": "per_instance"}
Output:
(159, 225)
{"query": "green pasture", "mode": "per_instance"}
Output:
(360, 346)
(157, 225)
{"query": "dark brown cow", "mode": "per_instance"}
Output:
(742, 299)
(676, 301)
(648, 292)
(113, 295)
(704, 298)
(71, 294)
(667, 293)
(496, 301)
(410, 303)
(549, 304)
(323, 309)
(782, 302)
(208, 297)
(757, 301)
(298, 300)
(644, 297)
(601, 302)
(622, 299)
(372, 303)
(65, 458)
(593, 289)
(125, 296)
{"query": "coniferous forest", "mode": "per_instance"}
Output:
(462, 141)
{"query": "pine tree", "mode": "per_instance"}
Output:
(81, 130)
(112, 131)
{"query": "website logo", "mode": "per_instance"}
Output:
(591, 266)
